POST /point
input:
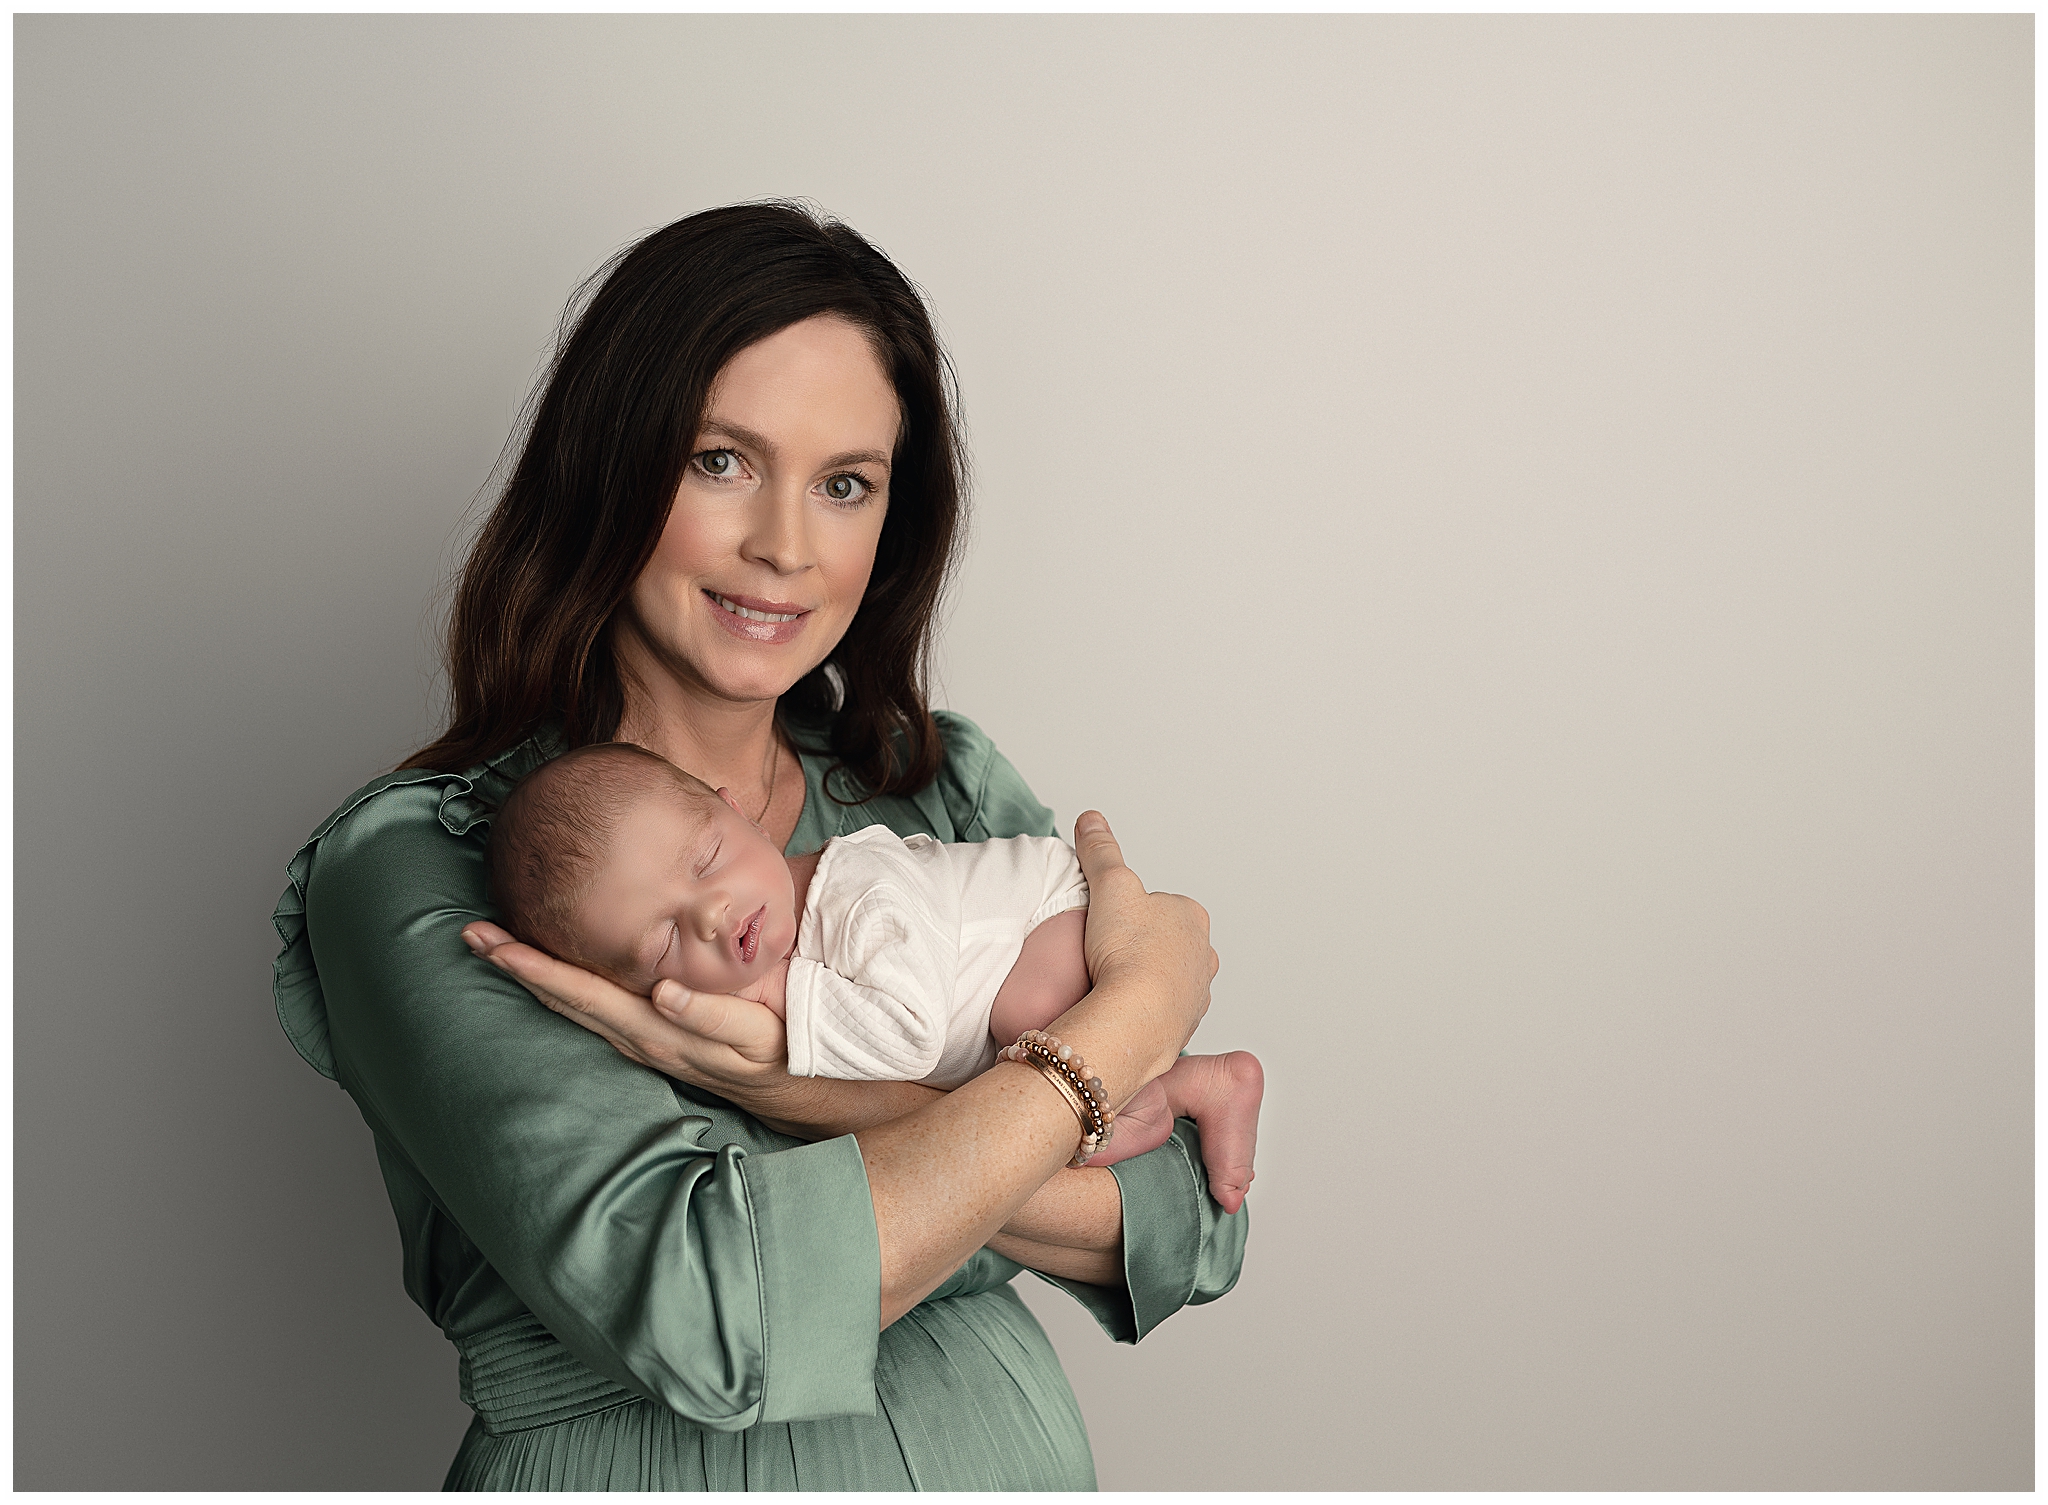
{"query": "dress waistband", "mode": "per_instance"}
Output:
(517, 1376)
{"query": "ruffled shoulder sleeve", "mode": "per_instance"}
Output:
(465, 800)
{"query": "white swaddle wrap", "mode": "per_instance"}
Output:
(903, 945)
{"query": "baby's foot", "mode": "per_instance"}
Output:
(1144, 1123)
(1222, 1095)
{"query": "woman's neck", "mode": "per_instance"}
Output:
(723, 742)
(728, 744)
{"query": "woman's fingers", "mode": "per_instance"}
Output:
(741, 1025)
(483, 937)
(528, 964)
(560, 985)
(505, 951)
(705, 1038)
(599, 1006)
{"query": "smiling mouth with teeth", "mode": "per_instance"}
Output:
(749, 613)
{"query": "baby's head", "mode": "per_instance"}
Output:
(615, 859)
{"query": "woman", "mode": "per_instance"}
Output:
(724, 540)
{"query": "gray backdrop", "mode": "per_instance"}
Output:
(1528, 519)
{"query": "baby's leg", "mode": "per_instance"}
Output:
(1049, 977)
(1221, 1094)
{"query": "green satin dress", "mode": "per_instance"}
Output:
(647, 1288)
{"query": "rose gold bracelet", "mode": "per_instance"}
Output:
(1069, 1073)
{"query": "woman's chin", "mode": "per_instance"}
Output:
(726, 667)
(752, 674)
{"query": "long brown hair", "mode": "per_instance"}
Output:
(530, 632)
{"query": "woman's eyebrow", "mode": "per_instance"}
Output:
(745, 436)
(857, 457)
(766, 448)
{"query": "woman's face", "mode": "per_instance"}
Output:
(769, 545)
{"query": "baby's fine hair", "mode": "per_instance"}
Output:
(555, 828)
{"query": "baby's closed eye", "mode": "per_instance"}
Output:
(648, 965)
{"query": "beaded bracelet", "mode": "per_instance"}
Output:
(1069, 1073)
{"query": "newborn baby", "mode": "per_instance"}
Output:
(894, 959)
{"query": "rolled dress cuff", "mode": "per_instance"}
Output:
(821, 1280)
(1180, 1248)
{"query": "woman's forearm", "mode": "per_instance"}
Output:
(1072, 1227)
(1076, 1216)
(825, 1108)
(1077, 1209)
(1089, 1266)
(948, 1178)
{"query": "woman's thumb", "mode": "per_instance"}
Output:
(672, 1000)
(1095, 844)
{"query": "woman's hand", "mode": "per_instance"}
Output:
(948, 1179)
(730, 1046)
(1150, 962)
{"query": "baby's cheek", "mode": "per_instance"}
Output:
(628, 978)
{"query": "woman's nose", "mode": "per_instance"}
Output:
(777, 533)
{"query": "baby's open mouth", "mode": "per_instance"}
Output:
(750, 935)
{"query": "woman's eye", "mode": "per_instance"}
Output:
(847, 489)
(720, 464)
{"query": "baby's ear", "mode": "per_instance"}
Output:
(726, 795)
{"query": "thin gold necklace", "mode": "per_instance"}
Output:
(774, 768)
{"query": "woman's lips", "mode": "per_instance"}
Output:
(753, 620)
(750, 935)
